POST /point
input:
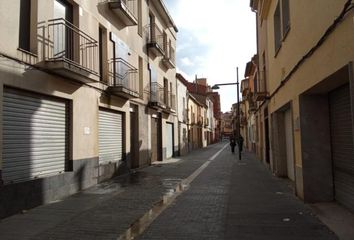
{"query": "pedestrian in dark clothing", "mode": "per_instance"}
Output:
(232, 145)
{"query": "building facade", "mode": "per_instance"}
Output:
(88, 91)
(195, 127)
(305, 95)
(182, 100)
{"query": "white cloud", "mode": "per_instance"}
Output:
(227, 30)
(187, 62)
(185, 75)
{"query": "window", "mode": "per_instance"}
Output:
(285, 17)
(277, 28)
(141, 77)
(263, 85)
(140, 18)
(25, 25)
(165, 90)
(102, 41)
(281, 23)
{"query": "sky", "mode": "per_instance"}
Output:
(214, 38)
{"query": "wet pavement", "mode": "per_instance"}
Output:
(205, 195)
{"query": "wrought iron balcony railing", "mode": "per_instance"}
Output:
(126, 10)
(156, 40)
(193, 118)
(123, 78)
(157, 95)
(67, 44)
(185, 115)
(170, 56)
(170, 101)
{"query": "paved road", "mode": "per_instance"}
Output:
(205, 196)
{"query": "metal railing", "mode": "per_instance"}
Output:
(66, 42)
(157, 93)
(170, 53)
(156, 36)
(200, 120)
(171, 100)
(131, 5)
(123, 74)
(206, 122)
(185, 115)
(193, 118)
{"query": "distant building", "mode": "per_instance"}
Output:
(182, 108)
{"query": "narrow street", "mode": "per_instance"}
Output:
(207, 194)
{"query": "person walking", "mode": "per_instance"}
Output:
(232, 145)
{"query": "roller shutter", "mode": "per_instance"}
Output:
(342, 146)
(110, 136)
(35, 136)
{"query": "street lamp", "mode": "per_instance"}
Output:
(217, 86)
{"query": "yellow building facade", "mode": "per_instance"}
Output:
(305, 95)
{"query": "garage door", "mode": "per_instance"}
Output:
(342, 146)
(110, 136)
(35, 135)
(169, 139)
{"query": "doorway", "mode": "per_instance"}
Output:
(63, 35)
(134, 136)
(156, 138)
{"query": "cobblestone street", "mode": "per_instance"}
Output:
(222, 199)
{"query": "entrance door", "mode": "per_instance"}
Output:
(289, 144)
(266, 136)
(156, 142)
(134, 137)
(62, 35)
(342, 146)
(169, 140)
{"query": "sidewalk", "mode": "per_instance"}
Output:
(262, 206)
(105, 211)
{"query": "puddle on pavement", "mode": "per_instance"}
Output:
(138, 227)
(105, 188)
(118, 184)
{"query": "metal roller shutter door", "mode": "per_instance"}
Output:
(342, 146)
(110, 136)
(34, 136)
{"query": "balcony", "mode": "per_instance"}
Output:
(200, 121)
(123, 79)
(125, 10)
(170, 101)
(252, 106)
(245, 87)
(157, 96)
(243, 121)
(206, 122)
(260, 96)
(156, 40)
(185, 115)
(193, 119)
(169, 59)
(70, 52)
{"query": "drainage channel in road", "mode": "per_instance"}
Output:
(139, 226)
